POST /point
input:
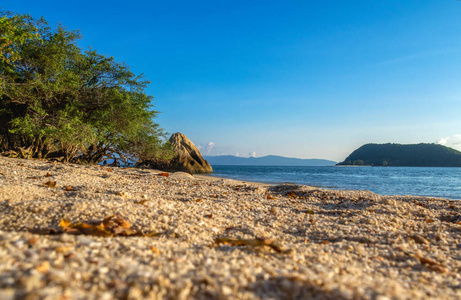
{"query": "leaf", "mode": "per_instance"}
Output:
(163, 174)
(270, 197)
(50, 184)
(257, 242)
(43, 267)
(431, 264)
(48, 175)
(155, 250)
(292, 195)
(419, 239)
(65, 223)
(69, 189)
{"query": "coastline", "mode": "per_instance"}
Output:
(219, 238)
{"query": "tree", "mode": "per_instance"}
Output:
(58, 101)
(16, 30)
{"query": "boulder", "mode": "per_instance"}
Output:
(188, 158)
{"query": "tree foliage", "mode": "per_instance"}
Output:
(59, 101)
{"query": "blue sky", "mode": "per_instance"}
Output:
(307, 79)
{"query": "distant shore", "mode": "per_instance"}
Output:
(203, 237)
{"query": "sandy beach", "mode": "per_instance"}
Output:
(90, 232)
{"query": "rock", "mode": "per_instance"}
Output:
(188, 158)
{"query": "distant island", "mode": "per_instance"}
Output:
(270, 160)
(414, 155)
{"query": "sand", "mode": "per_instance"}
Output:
(199, 237)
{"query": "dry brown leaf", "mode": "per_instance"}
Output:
(431, 264)
(163, 174)
(208, 216)
(257, 242)
(292, 195)
(50, 184)
(63, 249)
(141, 202)
(43, 267)
(48, 175)
(69, 189)
(155, 250)
(32, 241)
(198, 200)
(270, 197)
(419, 239)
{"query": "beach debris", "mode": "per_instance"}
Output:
(270, 197)
(164, 174)
(431, 264)
(419, 239)
(69, 189)
(155, 250)
(43, 267)
(257, 242)
(418, 203)
(48, 175)
(50, 184)
(292, 195)
(109, 227)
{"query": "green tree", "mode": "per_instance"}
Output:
(58, 101)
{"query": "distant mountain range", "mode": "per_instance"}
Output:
(416, 155)
(270, 160)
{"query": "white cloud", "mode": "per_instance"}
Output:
(443, 141)
(210, 146)
(252, 154)
(453, 141)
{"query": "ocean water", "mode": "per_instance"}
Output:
(417, 181)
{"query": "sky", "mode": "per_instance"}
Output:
(305, 79)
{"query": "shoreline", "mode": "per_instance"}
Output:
(205, 237)
(334, 182)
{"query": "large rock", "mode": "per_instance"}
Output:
(188, 158)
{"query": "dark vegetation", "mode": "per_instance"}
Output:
(58, 101)
(418, 155)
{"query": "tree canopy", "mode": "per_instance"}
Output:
(57, 100)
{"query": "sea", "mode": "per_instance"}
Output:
(416, 181)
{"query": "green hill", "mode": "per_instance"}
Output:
(417, 155)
